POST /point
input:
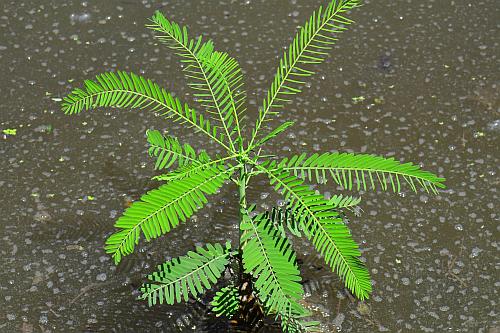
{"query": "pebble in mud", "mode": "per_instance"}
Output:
(494, 126)
(339, 319)
(101, 277)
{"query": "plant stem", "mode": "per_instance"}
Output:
(242, 186)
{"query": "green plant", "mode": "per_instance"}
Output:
(265, 251)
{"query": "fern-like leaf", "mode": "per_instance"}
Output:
(344, 201)
(362, 169)
(226, 302)
(162, 209)
(224, 95)
(192, 274)
(215, 76)
(278, 130)
(190, 169)
(167, 150)
(310, 46)
(272, 262)
(324, 227)
(295, 324)
(284, 217)
(130, 91)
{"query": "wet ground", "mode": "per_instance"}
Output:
(413, 79)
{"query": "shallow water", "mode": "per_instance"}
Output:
(428, 75)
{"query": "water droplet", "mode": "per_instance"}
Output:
(79, 18)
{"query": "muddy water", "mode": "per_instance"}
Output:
(413, 79)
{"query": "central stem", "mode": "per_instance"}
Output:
(242, 186)
(250, 309)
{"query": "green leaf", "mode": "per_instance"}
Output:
(130, 91)
(9, 131)
(223, 95)
(309, 47)
(190, 169)
(226, 302)
(344, 201)
(215, 77)
(294, 324)
(364, 170)
(324, 227)
(284, 217)
(283, 127)
(272, 262)
(162, 209)
(168, 150)
(178, 278)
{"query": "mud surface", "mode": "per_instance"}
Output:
(414, 79)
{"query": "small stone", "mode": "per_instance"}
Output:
(43, 319)
(363, 309)
(101, 277)
(339, 319)
(475, 252)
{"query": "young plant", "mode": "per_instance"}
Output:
(265, 251)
